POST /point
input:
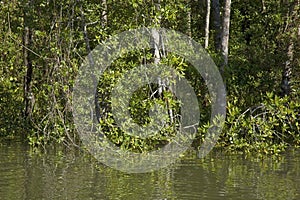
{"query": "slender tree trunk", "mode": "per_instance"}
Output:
(225, 35)
(158, 52)
(91, 63)
(27, 56)
(263, 4)
(293, 26)
(207, 23)
(287, 71)
(189, 20)
(216, 24)
(156, 44)
(104, 20)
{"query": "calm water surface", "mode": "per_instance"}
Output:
(62, 174)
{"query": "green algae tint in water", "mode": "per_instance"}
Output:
(72, 175)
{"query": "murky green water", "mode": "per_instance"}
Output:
(72, 175)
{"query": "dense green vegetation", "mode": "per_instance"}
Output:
(43, 44)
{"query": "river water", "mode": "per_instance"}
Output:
(71, 174)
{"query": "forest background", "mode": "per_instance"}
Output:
(254, 43)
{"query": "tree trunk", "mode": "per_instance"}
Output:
(189, 20)
(158, 52)
(287, 71)
(156, 43)
(216, 24)
(263, 4)
(293, 26)
(92, 64)
(155, 46)
(104, 14)
(27, 56)
(225, 35)
(207, 24)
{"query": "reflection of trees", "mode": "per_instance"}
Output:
(71, 175)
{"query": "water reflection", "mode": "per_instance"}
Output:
(69, 174)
